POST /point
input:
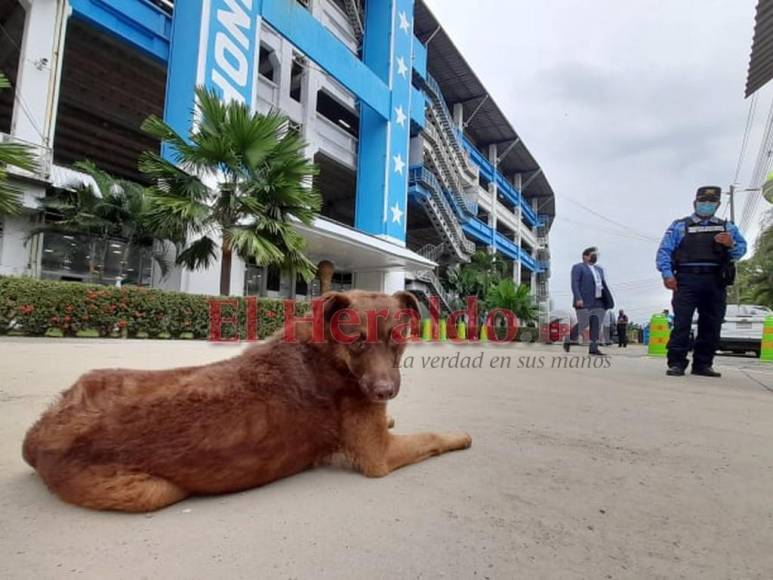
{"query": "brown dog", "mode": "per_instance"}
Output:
(141, 440)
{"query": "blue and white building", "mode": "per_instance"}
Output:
(419, 167)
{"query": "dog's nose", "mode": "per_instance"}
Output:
(383, 390)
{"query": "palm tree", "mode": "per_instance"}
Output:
(17, 155)
(476, 278)
(117, 210)
(241, 178)
(516, 299)
(760, 280)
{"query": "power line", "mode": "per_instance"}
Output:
(746, 133)
(635, 285)
(627, 228)
(761, 169)
(629, 236)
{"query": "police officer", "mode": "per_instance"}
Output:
(696, 259)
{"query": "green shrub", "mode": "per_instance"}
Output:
(43, 308)
(87, 333)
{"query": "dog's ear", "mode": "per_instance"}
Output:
(332, 302)
(407, 301)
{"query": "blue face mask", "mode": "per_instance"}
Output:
(706, 208)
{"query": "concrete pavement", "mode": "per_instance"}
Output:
(575, 472)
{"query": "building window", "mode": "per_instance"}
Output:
(342, 281)
(253, 280)
(296, 77)
(273, 279)
(80, 258)
(335, 112)
(266, 63)
(301, 287)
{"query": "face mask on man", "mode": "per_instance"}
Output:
(706, 208)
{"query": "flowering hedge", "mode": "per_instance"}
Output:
(40, 307)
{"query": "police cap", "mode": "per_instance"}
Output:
(709, 193)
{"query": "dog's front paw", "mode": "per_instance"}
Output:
(462, 441)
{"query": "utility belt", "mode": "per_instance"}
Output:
(713, 269)
(725, 272)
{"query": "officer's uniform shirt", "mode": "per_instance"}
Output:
(675, 234)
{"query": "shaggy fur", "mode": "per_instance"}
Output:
(140, 440)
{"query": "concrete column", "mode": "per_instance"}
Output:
(382, 171)
(458, 115)
(14, 250)
(517, 181)
(387, 281)
(492, 156)
(40, 67)
(394, 281)
(285, 54)
(309, 87)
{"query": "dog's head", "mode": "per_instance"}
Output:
(367, 332)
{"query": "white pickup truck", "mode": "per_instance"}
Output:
(742, 328)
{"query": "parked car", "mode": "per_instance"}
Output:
(742, 328)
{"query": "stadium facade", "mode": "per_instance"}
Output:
(418, 166)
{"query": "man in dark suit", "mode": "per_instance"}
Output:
(591, 299)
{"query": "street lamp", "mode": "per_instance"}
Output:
(733, 191)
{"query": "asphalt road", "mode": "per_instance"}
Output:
(610, 472)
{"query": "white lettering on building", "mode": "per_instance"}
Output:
(230, 71)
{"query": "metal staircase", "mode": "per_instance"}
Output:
(448, 173)
(444, 120)
(427, 282)
(429, 194)
(443, 146)
(354, 14)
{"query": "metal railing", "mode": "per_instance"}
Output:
(433, 199)
(355, 18)
(450, 136)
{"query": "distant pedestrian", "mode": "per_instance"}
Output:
(591, 300)
(622, 329)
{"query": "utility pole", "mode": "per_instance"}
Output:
(732, 203)
(736, 285)
(732, 193)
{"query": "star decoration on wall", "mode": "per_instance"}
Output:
(401, 116)
(397, 213)
(402, 70)
(404, 25)
(399, 164)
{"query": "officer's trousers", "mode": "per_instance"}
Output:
(708, 295)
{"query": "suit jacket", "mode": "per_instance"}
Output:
(584, 286)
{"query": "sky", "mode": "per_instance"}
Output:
(628, 107)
